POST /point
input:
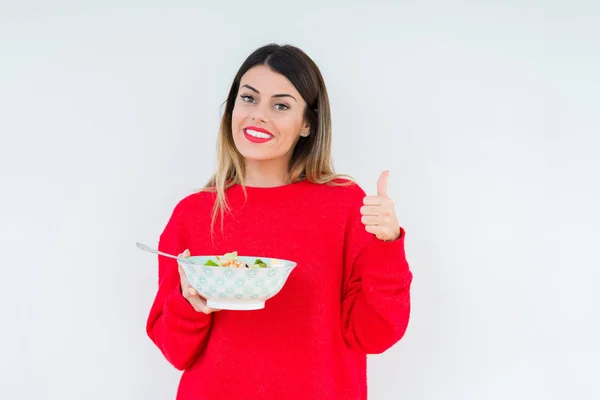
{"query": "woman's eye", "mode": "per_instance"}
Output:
(281, 107)
(247, 99)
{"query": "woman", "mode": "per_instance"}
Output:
(275, 193)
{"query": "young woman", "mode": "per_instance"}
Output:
(275, 193)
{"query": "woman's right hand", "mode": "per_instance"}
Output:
(190, 294)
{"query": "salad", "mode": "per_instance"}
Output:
(231, 260)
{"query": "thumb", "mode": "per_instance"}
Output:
(186, 253)
(382, 183)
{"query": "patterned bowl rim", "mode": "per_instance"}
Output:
(287, 263)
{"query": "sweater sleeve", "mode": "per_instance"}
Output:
(179, 331)
(376, 289)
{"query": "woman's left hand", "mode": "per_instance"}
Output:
(379, 214)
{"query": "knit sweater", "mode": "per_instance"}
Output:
(348, 296)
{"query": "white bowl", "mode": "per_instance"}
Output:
(231, 288)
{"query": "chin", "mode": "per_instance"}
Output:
(256, 156)
(252, 152)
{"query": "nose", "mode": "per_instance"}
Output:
(258, 114)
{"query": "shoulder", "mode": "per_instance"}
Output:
(346, 187)
(343, 191)
(194, 202)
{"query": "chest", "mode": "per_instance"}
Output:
(310, 234)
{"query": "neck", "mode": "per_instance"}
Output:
(269, 173)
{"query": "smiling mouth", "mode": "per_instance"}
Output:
(257, 135)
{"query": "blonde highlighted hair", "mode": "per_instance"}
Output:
(311, 158)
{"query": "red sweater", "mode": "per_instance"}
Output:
(349, 296)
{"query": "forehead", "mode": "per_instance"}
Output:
(268, 82)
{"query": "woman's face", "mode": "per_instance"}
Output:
(268, 116)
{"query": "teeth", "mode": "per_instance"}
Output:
(257, 134)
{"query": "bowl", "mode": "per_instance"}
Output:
(237, 288)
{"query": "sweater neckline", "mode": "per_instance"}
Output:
(272, 189)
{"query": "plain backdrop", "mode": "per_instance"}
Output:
(486, 113)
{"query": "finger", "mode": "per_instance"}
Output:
(379, 231)
(381, 203)
(189, 292)
(183, 279)
(374, 229)
(373, 200)
(186, 253)
(199, 304)
(382, 220)
(382, 183)
(370, 220)
(369, 210)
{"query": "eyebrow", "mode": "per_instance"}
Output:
(275, 95)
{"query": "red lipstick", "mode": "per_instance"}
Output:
(257, 135)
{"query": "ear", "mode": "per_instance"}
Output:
(305, 130)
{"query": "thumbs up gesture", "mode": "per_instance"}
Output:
(379, 214)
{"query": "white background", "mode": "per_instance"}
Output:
(487, 115)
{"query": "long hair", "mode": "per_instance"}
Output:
(311, 157)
